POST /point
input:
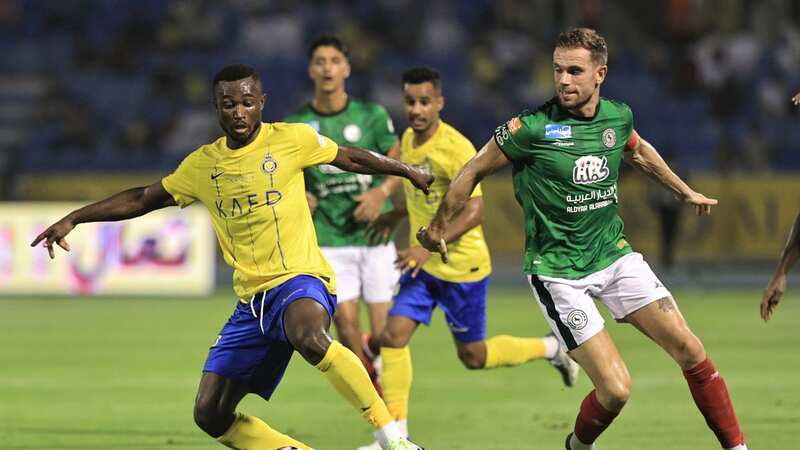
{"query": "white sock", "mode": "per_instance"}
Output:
(739, 447)
(388, 433)
(576, 444)
(550, 346)
(402, 425)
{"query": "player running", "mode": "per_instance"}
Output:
(347, 202)
(251, 182)
(459, 287)
(565, 157)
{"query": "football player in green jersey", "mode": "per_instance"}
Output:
(344, 203)
(565, 157)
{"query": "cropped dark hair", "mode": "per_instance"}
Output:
(419, 75)
(236, 72)
(328, 40)
(585, 38)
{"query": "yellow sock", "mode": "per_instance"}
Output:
(346, 373)
(251, 433)
(509, 351)
(396, 379)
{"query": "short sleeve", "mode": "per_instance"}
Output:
(384, 130)
(628, 117)
(514, 138)
(181, 183)
(315, 149)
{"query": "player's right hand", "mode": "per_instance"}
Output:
(379, 231)
(772, 295)
(55, 233)
(420, 178)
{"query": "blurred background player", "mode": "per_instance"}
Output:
(566, 156)
(458, 285)
(250, 180)
(777, 285)
(344, 203)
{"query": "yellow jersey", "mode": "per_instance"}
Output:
(443, 155)
(257, 201)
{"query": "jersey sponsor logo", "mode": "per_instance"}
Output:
(501, 134)
(590, 169)
(352, 133)
(269, 165)
(577, 319)
(239, 206)
(609, 137)
(557, 131)
(560, 143)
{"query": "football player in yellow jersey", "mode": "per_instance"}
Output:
(459, 286)
(251, 182)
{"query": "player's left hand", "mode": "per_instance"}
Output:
(412, 259)
(702, 204)
(772, 295)
(369, 205)
(433, 242)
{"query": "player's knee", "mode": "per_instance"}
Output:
(689, 353)
(391, 339)
(471, 359)
(211, 418)
(616, 393)
(312, 344)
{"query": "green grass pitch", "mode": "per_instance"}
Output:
(122, 373)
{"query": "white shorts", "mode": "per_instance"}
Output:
(625, 286)
(365, 272)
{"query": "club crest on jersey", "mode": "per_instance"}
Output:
(269, 165)
(352, 133)
(609, 137)
(577, 319)
(557, 131)
(590, 169)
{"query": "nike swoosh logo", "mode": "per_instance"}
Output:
(214, 176)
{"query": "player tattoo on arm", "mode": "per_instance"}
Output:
(666, 304)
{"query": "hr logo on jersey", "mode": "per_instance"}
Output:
(556, 131)
(590, 169)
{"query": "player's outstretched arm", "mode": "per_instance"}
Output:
(642, 155)
(364, 161)
(371, 202)
(124, 205)
(434, 237)
(777, 285)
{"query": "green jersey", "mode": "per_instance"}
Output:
(565, 172)
(359, 124)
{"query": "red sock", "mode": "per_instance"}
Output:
(712, 399)
(592, 419)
